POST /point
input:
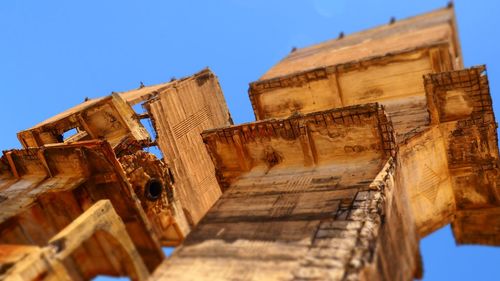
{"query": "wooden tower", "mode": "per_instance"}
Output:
(362, 145)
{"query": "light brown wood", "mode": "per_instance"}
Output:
(292, 209)
(100, 219)
(423, 30)
(51, 182)
(284, 220)
(362, 146)
(38, 204)
(179, 113)
(107, 118)
(394, 80)
(461, 105)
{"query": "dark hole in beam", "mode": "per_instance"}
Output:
(153, 189)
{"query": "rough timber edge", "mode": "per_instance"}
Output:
(293, 128)
(419, 17)
(77, 108)
(108, 153)
(200, 77)
(458, 79)
(148, 93)
(450, 8)
(74, 118)
(481, 221)
(298, 78)
(133, 97)
(374, 211)
(385, 182)
(433, 80)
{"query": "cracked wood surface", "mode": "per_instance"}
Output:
(326, 185)
(282, 220)
(46, 189)
(179, 114)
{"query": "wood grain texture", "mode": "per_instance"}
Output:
(99, 221)
(55, 185)
(282, 220)
(461, 104)
(394, 80)
(362, 146)
(179, 114)
(426, 29)
(109, 118)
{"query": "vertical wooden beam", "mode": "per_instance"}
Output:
(339, 89)
(336, 91)
(43, 159)
(12, 164)
(312, 145)
(244, 159)
(308, 147)
(86, 126)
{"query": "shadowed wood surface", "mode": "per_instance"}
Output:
(50, 262)
(46, 189)
(306, 200)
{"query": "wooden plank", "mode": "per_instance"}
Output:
(426, 29)
(242, 235)
(101, 217)
(194, 104)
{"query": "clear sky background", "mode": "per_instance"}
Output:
(53, 54)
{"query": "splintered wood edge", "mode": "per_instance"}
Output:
(270, 128)
(293, 127)
(150, 97)
(457, 79)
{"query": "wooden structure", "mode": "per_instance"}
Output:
(179, 112)
(47, 187)
(362, 146)
(308, 198)
(101, 221)
(327, 187)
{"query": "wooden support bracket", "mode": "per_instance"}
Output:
(101, 217)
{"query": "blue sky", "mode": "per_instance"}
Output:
(53, 54)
